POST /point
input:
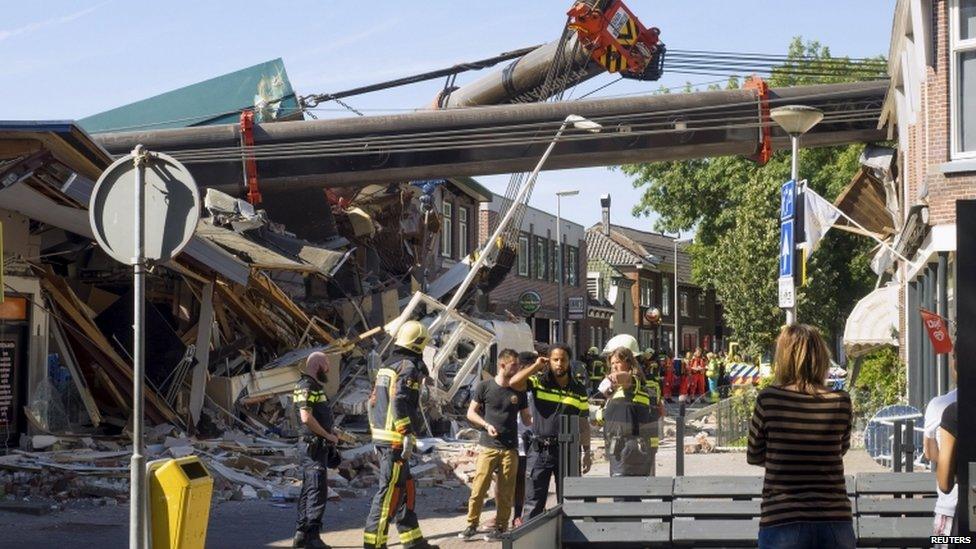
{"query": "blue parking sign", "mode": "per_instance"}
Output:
(787, 200)
(786, 249)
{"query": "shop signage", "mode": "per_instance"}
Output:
(576, 308)
(529, 302)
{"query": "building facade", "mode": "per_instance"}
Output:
(930, 109)
(646, 260)
(531, 288)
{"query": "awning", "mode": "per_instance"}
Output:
(873, 322)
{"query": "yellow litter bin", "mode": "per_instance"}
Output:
(179, 503)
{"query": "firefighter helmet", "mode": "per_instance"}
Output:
(412, 335)
(622, 340)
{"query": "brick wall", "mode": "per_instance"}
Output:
(929, 138)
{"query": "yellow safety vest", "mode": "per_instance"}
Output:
(384, 426)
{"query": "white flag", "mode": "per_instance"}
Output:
(819, 216)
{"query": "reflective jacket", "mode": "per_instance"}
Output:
(394, 404)
(633, 413)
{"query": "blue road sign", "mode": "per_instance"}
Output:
(787, 200)
(786, 249)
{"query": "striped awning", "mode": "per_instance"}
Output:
(873, 322)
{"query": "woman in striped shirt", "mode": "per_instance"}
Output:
(800, 431)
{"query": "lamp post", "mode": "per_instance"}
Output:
(562, 265)
(577, 122)
(795, 120)
(677, 305)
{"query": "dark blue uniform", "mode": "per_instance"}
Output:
(309, 395)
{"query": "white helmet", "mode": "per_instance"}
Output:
(622, 340)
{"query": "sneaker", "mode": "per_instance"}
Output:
(494, 535)
(468, 533)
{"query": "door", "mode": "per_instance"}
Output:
(14, 340)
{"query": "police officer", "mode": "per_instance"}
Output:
(554, 393)
(630, 417)
(394, 407)
(315, 416)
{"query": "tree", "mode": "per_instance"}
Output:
(733, 204)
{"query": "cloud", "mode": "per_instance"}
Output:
(38, 25)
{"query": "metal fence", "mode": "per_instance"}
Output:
(732, 416)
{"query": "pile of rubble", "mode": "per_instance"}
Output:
(243, 466)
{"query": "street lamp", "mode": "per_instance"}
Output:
(562, 266)
(796, 120)
(577, 122)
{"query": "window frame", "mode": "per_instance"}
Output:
(665, 296)
(524, 256)
(541, 258)
(684, 305)
(957, 46)
(572, 266)
(463, 235)
(447, 229)
(702, 311)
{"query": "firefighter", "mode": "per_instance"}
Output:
(315, 417)
(394, 407)
(630, 419)
(555, 393)
(712, 370)
(667, 380)
(596, 367)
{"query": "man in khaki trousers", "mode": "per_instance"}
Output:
(495, 407)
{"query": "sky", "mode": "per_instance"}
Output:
(64, 59)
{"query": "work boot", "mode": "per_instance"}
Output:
(424, 544)
(315, 542)
(298, 541)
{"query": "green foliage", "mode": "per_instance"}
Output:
(733, 205)
(881, 382)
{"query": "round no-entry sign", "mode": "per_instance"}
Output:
(171, 208)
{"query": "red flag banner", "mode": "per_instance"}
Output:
(938, 332)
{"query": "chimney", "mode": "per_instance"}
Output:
(605, 206)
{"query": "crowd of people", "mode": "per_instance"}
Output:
(698, 375)
(799, 432)
(517, 406)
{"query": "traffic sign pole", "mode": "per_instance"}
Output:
(138, 215)
(137, 482)
(794, 175)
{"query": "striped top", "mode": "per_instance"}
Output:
(801, 440)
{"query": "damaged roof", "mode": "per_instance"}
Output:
(264, 87)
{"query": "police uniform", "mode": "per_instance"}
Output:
(309, 395)
(549, 402)
(394, 415)
(630, 429)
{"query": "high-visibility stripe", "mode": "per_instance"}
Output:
(385, 511)
(401, 422)
(389, 436)
(655, 442)
(410, 535)
(569, 400)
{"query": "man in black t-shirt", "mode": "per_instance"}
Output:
(495, 407)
